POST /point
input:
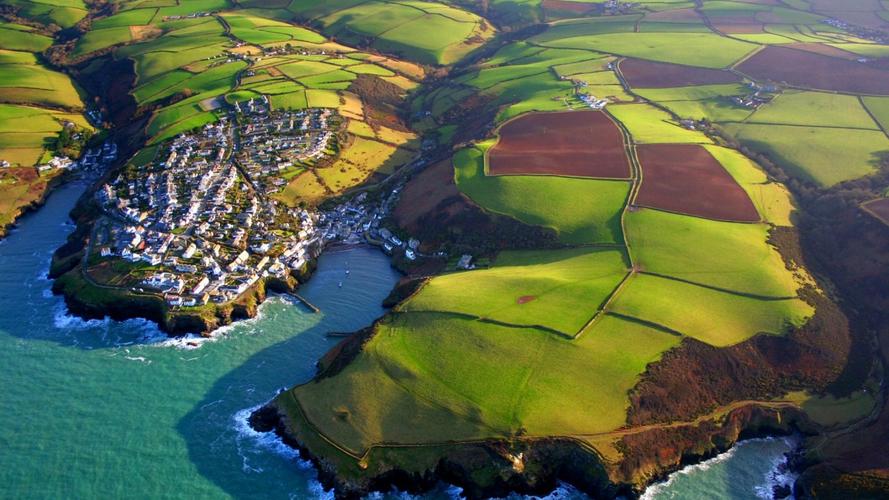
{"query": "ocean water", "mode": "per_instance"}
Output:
(105, 409)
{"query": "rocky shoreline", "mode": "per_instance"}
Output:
(545, 462)
(83, 301)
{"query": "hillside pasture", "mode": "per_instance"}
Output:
(825, 156)
(61, 13)
(570, 143)
(724, 255)
(815, 109)
(715, 317)
(556, 289)
(772, 199)
(545, 200)
(706, 50)
(448, 374)
(417, 30)
(650, 125)
(18, 37)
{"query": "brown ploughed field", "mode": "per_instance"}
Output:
(424, 193)
(573, 143)
(654, 75)
(565, 6)
(825, 50)
(687, 179)
(810, 70)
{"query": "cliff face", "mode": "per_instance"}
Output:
(533, 466)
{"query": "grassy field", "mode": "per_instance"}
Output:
(822, 155)
(727, 255)
(694, 49)
(559, 289)
(815, 109)
(18, 37)
(449, 374)
(63, 13)
(879, 108)
(27, 81)
(596, 220)
(417, 30)
(711, 316)
(650, 125)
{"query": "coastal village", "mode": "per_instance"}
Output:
(200, 224)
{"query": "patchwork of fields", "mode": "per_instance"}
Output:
(678, 247)
(36, 104)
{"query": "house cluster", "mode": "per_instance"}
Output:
(188, 16)
(273, 143)
(874, 35)
(359, 220)
(590, 100)
(198, 226)
(616, 7)
(760, 94)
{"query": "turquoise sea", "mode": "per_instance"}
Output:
(105, 409)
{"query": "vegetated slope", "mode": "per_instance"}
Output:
(40, 117)
(425, 32)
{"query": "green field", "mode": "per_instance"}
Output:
(879, 108)
(650, 125)
(597, 220)
(822, 155)
(559, 289)
(711, 316)
(99, 39)
(815, 109)
(417, 30)
(18, 37)
(451, 375)
(63, 13)
(726, 255)
(694, 49)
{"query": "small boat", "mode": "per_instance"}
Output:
(347, 272)
(341, 284)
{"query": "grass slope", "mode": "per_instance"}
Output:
(559, 289)
(581, 210)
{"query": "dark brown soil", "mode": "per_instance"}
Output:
(433, 210)
(425, 192)
(825, 50)
(687, 179)
(576, 143)
(802, 68)
(555, 6)
(647, 74)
